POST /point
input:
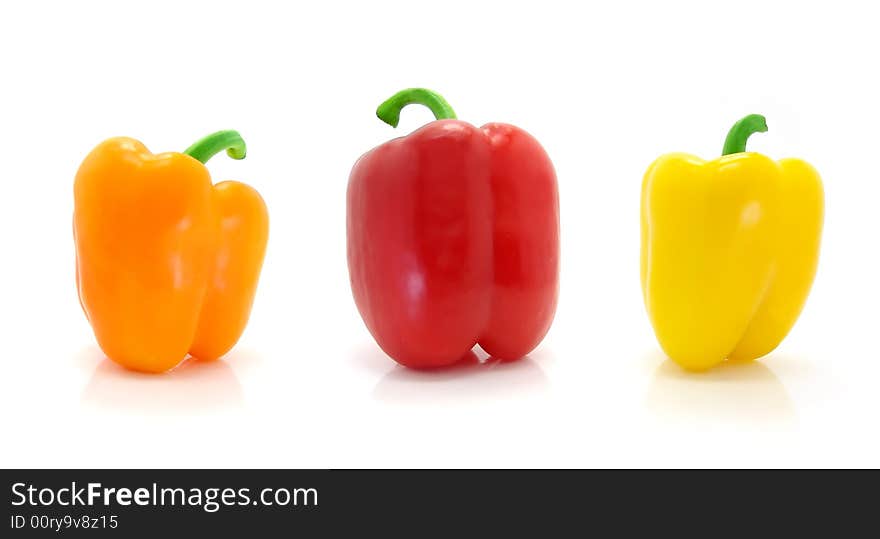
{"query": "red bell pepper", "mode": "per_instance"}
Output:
(453, 238)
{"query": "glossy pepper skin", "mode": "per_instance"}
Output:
(167, 263)
(453, 238)
(729, 250)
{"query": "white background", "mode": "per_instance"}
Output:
(606, 88)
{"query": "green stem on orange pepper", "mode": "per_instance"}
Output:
(208, 147)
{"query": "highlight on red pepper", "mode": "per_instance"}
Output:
(453, 238)
(166, 263)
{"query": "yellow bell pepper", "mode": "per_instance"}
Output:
(729, 250)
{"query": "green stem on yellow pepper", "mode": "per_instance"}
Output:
(208, 147)
(389, 111)
(741, 131)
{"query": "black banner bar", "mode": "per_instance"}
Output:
(269, 503)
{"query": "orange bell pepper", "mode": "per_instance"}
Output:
(167, 263)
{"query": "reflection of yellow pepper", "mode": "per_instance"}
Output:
(729, 250)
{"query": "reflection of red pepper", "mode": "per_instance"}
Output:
(453, 238)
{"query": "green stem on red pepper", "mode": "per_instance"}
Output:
(208, 147)
(389, 111)
(741, 131)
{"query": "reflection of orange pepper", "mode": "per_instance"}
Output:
(167, 263)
